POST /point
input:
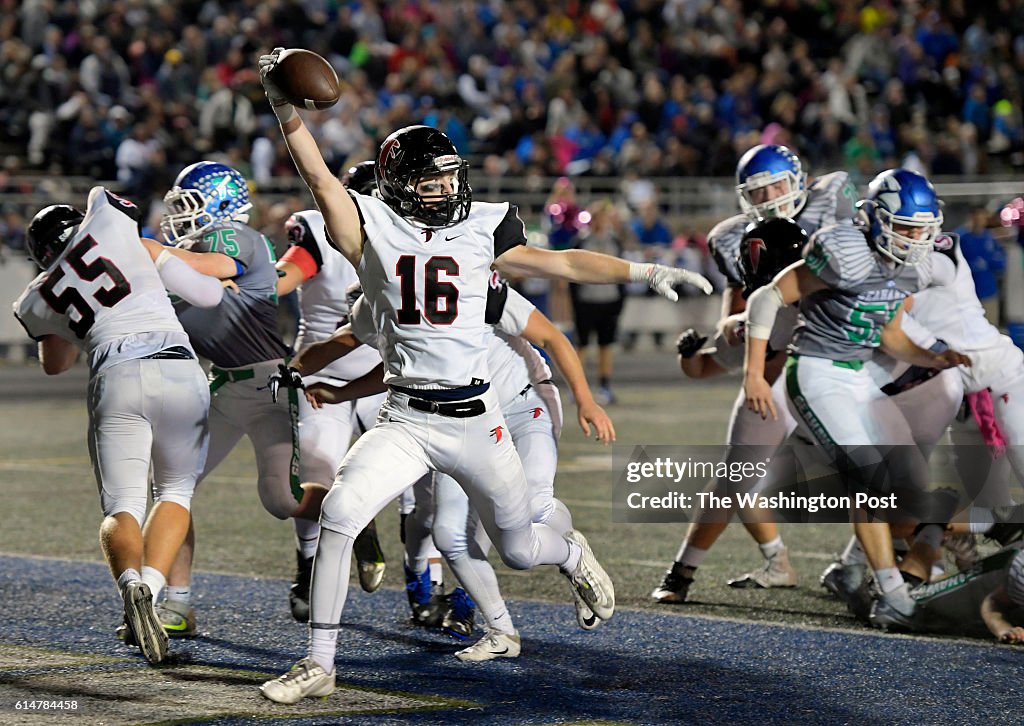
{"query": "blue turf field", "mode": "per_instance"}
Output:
(640, 668)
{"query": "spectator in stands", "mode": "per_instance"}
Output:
(596, 308)
(986, 258)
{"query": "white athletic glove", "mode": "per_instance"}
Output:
(282, 108)
(662, 278)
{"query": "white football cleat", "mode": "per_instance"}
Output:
(143, 623)
(491, 646)
(590, 582)
(306, 679)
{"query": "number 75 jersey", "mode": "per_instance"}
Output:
(103, 287)
(427, 289)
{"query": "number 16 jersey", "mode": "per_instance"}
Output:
(427, 289)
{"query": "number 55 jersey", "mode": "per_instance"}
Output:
(103, 292)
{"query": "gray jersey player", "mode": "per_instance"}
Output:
(851, 285)
(99, 290)
(422, 253)
(206, 220)
(770, 184)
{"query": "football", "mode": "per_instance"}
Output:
(306, 79)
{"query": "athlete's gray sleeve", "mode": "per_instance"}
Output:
(193, 287)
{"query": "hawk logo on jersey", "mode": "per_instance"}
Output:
(756, 247)
(537, 412)
(427, 234)
(497, 432)
(1005, 397)
(944, 242)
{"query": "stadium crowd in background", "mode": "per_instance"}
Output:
(128, 90)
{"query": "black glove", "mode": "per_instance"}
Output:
(689, 342)
(286, 377)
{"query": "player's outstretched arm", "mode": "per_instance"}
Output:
(995, 610)
(542, 332)
(194, 287)
(369, 384)
(584, 266)
(317, 356)
(896, 343)
(56, 355)
(763, 307)
(341, 218)
(289, 277)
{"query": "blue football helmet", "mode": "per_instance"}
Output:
(903, 199)
(203, 195)
(764, 166)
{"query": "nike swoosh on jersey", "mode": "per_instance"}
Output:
(449, 239)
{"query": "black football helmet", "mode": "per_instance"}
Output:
(361, 178)
(50, 231)
(769, 246)
(411, 154)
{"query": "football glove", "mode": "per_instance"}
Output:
(662, 278)
(286, 377)
(274, 93)
(689, 342)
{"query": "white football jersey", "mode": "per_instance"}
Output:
(952, 311)
(103, 292)
(428, 291)
(322, 298)
(514, 363)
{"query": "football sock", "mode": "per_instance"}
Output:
(323, 644)
(306, 534)
(155, 579)
(770, 549)
(889, 579)
(573, 560)
(981, 519)
(125, 578)
(853, 554)
(182, 595)
(436, 572)
(478, 579)
(690, 556)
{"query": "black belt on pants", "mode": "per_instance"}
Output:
(177, 352)
(531, 385)
(459, 409)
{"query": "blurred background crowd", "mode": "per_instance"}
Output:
(622, 98)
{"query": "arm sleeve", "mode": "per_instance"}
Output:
(510, 232)
(361, 321)
(193, 287)
(516, 314)
(497, 296)
(762, 309)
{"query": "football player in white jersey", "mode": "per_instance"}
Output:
(771, 183)
(322, 276)
(100, 291)
(532, 409)
(423, 252)
(852, 285)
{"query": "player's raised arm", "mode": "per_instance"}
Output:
(584, 266)
(341, 217)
